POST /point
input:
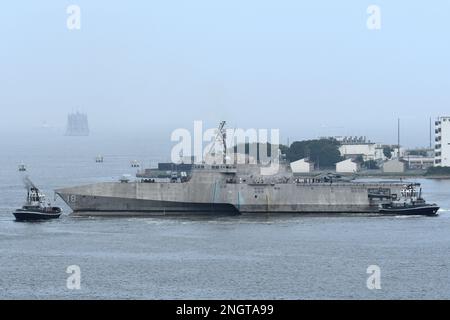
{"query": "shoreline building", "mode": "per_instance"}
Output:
(442, 144)
(419, 158)
(419, 162)
(77, 124)
(394, 166)
(347, 166)
(352, 147)
(302, 166)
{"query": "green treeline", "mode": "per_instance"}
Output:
(323, 152)
(438, 171)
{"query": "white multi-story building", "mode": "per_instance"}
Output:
(442, 145)
(351, 147)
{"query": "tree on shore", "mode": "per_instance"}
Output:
(387, 151)
(323, 152)
(445, 171)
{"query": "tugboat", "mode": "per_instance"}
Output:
(34, 209)
(411, 203)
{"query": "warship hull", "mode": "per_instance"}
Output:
(142, 199)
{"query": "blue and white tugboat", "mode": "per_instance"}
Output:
(35, 209)
(410, 203)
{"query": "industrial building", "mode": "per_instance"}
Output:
(419, 162)
(352, 147)
(302, 166)
(347, 166)
(396, 154)
(394, 166)
(442, 145)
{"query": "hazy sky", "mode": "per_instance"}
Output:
(307, 67)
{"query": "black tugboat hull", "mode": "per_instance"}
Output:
(34, 216)
(415, 211)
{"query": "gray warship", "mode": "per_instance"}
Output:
(224, 189)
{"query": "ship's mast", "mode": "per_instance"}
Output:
(222, 136)
(33, 192)
(398, 138)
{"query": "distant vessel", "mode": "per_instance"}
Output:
(135, 164)
(34, 208)
(77, 124)
(230, 189)
(99, 159)
(22, 167)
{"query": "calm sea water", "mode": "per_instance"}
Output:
(287, 257)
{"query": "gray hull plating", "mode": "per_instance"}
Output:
(221, 197)
(116, 206)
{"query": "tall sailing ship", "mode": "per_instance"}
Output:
(77, 124)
